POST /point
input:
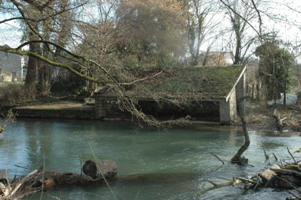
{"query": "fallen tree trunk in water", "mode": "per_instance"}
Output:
(38, 180)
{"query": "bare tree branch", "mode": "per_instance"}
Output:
(65, 66)
(259, 17)
(259, 35)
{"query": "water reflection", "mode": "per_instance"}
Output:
(155, 164)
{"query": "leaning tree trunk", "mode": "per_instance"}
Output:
(30, 79)
(237, 157)
(237, 56)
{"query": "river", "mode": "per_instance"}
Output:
(152, 163)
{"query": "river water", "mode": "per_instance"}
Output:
(152, 163)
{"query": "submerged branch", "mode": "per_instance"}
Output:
(218, 158)
(235, 181)
(291, 155)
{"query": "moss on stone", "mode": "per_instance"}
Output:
(214, 81)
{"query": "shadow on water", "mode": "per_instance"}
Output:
(152, 164)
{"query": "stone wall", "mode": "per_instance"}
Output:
(55, 113)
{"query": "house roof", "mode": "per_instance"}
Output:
(214, 82)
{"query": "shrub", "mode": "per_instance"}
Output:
(12, 94)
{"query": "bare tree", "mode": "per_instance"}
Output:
(201, 26)
(241, 14)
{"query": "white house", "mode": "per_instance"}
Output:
(12, 67)
(217, 58)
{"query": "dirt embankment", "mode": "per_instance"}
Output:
(259, 116)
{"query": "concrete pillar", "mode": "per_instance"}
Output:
(228, 109)
(224, 112)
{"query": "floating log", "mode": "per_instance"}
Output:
(100, 168)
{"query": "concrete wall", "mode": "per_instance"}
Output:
(10, 64)
(202, 111)
(100, 111)
(228, 110)
(102, 107)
